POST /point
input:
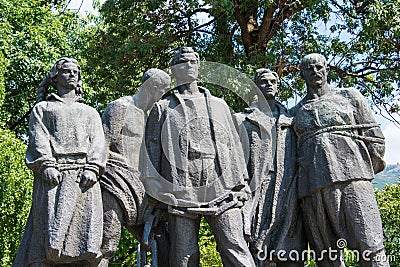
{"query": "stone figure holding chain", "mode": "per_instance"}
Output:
(193, 147)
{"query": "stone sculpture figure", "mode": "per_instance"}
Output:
(66, 152)
(124, 199)
(192, 142)
(269, 140)
(340, 148)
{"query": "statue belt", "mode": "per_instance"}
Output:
(71, 159)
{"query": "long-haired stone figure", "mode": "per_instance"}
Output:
(66, 152)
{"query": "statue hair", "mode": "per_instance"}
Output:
(311, 58)
(51, 76)
(180, 52)
(261, 71)
(157, 76)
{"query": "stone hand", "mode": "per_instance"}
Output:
(89, 178)
(51, 176)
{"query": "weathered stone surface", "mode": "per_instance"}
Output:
(197, 167)
(66, 152)
(124, 198)
(268, 138)
(340, 147)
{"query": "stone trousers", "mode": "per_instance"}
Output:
(227, 229)
(344, 215)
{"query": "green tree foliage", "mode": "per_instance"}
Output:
(132, 37)
(208, 247)
(126, 252)
(15, 195)
(34, 34)
(389, 207)
(359, 38)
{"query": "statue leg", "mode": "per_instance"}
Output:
(112, 222)
(103, 263)
(365, 232)
(163, 244)
(320, 226)
(184, 233)
(344, 215)
(228, 231)
(289, 264)
(379, 259)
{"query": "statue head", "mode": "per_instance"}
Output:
(267, 81)
(66, 72)
(58, 77)
(314, 70)
(185, 65)
(156, 82)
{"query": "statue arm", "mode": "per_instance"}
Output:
(238, 119)
(363, 115)
(240, 154)
(153, 138)
(112, 124)
(39, 154)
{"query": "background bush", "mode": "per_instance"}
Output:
(15, 195)
(389, 207)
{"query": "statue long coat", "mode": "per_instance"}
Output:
(269, 144)
(167, 148)
(339, 140)
(67, 135)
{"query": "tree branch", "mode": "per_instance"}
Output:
(186, 33)
(286, 12)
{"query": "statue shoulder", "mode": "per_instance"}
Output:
(41, 105)
(239, 117)
(165, 102)
(294, 110)
(349, 92)
(354, 96)
(89, 111)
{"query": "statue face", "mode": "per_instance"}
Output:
(187, 70)
(158, 91)
(68, 76)
(268, 85)
(315, 73)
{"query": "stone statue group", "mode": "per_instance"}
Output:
(273, 184)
